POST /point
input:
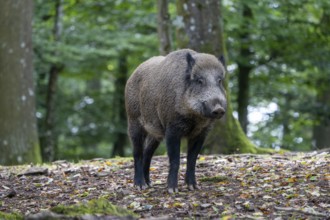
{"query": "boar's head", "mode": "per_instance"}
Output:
(205, 94)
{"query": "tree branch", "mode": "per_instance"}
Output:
(289, 209)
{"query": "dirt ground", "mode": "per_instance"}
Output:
(242, 186)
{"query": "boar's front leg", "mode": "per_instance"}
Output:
(194, 147)
(137, 135)
(173, 150)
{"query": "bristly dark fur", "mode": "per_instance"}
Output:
(190, 62)
(222, 60)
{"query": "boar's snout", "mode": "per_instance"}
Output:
(213, 109)
(218, 111)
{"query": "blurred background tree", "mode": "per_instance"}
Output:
(19, 142)
(278, 53)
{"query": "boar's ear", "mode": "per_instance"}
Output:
(222, 60)
(190, 62)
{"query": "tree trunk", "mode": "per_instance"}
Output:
(48, 141)
(18, 131)
(163, 27)
(286, 139)
(243, 95)
(244, 69)
(321, 131)
(203, 32)
(202, 29)
(120, 134)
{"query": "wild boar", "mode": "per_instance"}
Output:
(179, 95)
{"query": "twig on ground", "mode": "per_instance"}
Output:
(289, 209)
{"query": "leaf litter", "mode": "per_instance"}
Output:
(241, 186)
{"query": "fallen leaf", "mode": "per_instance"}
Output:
(134, 205)
(292, 180)
(108, 163)
(201, 158)
(177, 205)
(205, 205)
(152, 168)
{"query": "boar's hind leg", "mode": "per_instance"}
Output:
(194, 147)
(173, 151)
(137, 135)
(151, 146)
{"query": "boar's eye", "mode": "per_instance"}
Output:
(200, 81)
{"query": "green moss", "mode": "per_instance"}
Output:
(32, 155)
(214, 179)
(95, 206)
(228, 137)
(10, 216)
(37, 153)
(84, 194)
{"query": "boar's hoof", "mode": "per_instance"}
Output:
(141, 187)
(173, 190)
(192, 187)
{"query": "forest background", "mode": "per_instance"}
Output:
(278, 65)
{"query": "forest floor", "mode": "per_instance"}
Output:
(241, 186)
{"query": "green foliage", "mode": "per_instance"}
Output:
(290, 52)
(96, 206)
(11, 216)
(93, 37)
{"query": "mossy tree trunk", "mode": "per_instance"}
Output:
(18, 131)
(202, 30)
